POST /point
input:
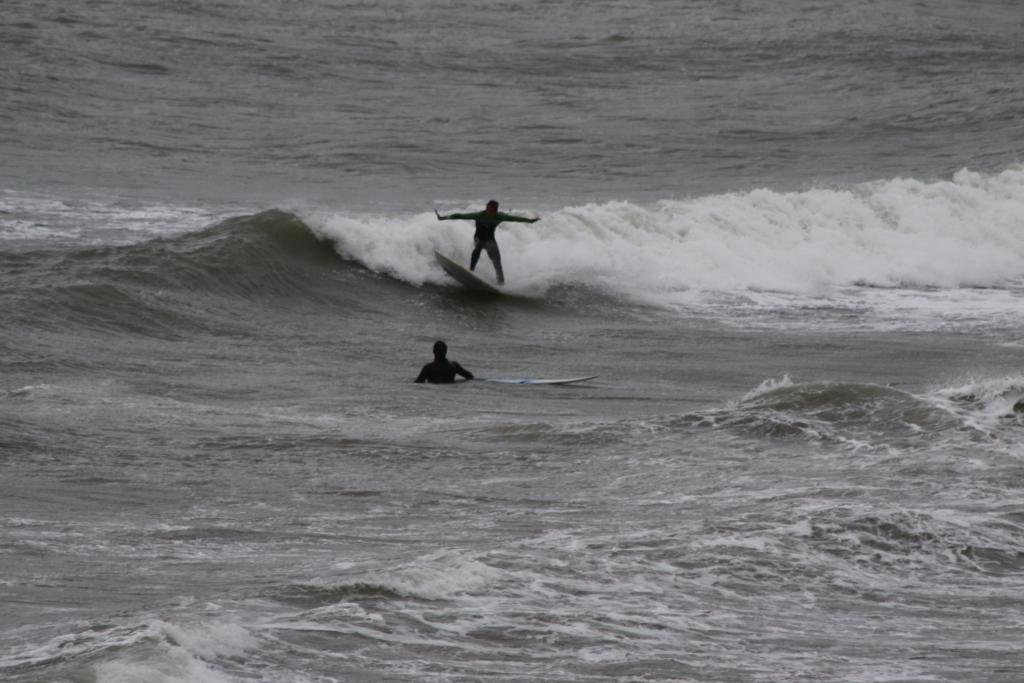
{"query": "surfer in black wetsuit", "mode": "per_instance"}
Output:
(442, 370)
(487, 222)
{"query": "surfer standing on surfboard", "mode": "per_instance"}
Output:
(487, 222)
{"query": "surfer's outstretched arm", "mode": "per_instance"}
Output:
(456, 216)
(508, 218)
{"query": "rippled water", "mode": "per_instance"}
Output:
(786, 239)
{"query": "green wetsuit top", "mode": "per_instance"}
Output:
(487, 223)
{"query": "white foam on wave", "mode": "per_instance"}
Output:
(156, 651)
(437, 576)
(900, 233)
(766, 387)
(986, 404)
(183, 655)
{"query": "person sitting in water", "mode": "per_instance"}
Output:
(442, 370)
(487, 222)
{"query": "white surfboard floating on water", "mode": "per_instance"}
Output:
(571, 380)
(466, 277)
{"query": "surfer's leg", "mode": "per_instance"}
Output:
(477, 247)
(492, 251)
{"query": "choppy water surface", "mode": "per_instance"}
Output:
(787, 240)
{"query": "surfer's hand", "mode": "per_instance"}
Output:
(439, 216)
(534, 220)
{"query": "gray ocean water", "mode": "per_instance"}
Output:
(787, 237)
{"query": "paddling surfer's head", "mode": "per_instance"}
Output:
(492, 206)
(440, 349)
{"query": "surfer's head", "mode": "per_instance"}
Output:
(440, 349)
(492, 206)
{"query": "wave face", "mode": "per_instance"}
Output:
(173, 286)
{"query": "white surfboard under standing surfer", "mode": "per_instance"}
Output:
(465, 277)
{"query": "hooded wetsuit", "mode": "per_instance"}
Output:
(442, 371)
